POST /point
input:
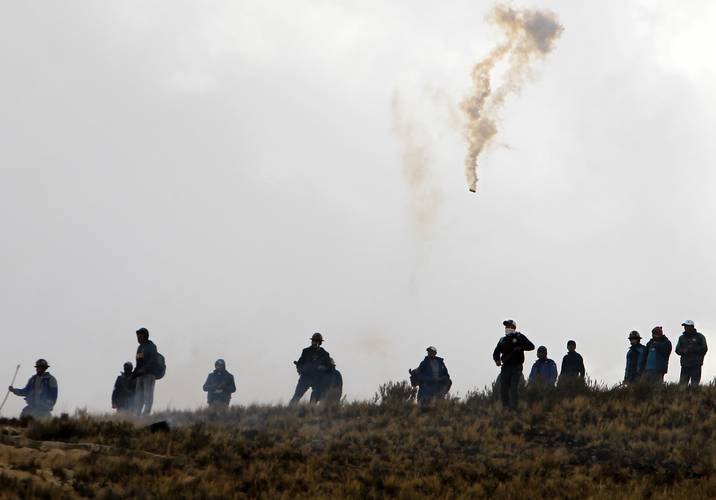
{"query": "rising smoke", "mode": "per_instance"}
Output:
(530, 35)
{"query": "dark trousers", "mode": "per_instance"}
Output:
(306, 382)
(690, 374)
(509, 385)
(653, 377)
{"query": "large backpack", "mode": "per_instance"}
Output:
(160, 366)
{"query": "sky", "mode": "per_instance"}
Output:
(229, 176)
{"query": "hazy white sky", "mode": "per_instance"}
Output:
(225, 174)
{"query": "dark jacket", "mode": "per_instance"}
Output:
(146, 359)
(40, 392)
(123, 392)
(219, 387)
(658, 352)
(692, 348)
(432, 371)
(635, 362)
(544, 371)
(511, 349)
(572, 365)
(314, 361)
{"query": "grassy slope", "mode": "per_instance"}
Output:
(579, 443)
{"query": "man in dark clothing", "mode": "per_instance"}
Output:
(692, 349)
(431, 376)
(40, 393)
(544, 370)
(123, 393)
(219, 386)
(572, 364)
(510, 356)
(658, 350)
(635, 359)
(316, 371)
(145, 373)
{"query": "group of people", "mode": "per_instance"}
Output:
(134, 387)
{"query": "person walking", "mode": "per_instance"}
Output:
(544, 370)
(657, 356)
(40, 392)
(692, 348)
(635, 358)
(509, 355)
(145, 373)
(219, 386)
(123, 392)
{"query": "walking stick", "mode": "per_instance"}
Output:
(2, 405)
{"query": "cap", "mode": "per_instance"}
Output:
(634, 335)
(41, 363)
(143, 331)
(510, 323)
(432, 348)
(688, 322)
(317, 337)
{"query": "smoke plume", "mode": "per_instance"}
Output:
(529, 36)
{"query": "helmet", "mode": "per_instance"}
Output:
(317, 337)
(41, 363)
(634, 335)
(220, 363)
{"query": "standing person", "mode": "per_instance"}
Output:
(657, 356)
(510, 356)
(572, 364)
(431, 376)
(316, 370)
(635, 358)
(145, 373)
(692, 349)
(544, 370)
(219, 386)
(123, 393)
(40, 393)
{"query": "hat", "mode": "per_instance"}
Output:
(432, 348)
(143, 331)
(659, 329)
(317, 337)
(41, 363)
(688, 322)
(509, 323)
(634, 335)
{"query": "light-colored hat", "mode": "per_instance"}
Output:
(432, 348)
(688, 322)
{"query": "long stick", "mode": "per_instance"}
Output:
(17, 369)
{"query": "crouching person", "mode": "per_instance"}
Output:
(219, 386)
(40, 393)
(431, 377)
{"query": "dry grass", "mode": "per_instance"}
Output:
(580, 442)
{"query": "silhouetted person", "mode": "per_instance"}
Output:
(431, 376)
(510, 356)
(572, 364)
(657, 356)
(635, 359)
(544, 370)
(692, 349)
(317, 371)
(219, 385)
(123, 393)
(40, 393)
(145, 373)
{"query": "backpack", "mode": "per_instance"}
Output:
(160, 367)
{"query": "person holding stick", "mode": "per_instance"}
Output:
(40, 393)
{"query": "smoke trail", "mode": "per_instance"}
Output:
(530, 35)
(426, 196)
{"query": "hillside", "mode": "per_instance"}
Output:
(579, 443)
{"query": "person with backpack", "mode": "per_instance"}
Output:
(544, 370)
(658, 350)
(317, 371)
(692, 348)
(123, 393)
(219, 386)
(635, 359)
(149, 368)
(510, 356)
(40, 393)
